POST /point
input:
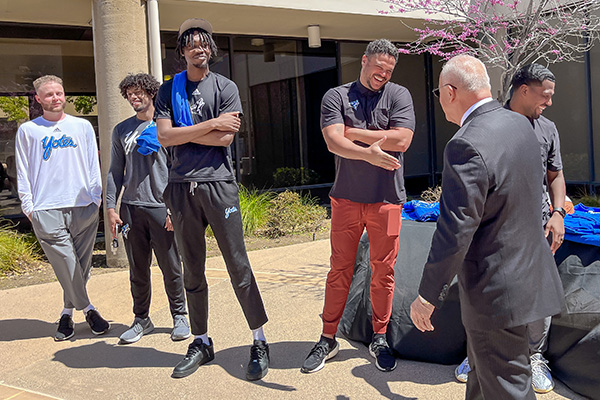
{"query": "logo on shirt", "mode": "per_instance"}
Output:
(196, 92)
(49, 143)
(197, 107)
(56, 130)
(354, 104)
(130, 139)
(229, 211)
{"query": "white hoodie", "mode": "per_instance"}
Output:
(57, 164)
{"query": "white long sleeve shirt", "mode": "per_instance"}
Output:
(57, 164)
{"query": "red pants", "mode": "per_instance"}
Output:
(348, 221)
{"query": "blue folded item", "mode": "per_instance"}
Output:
(182, 115)
(583, 226)
(422, 211)
(147, 141)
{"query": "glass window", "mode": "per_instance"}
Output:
(569, 112)
(281, 85)
(24, 60)
(444, 130)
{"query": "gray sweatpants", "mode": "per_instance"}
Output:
(67, 237)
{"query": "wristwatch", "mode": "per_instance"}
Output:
(423, 301)
(560, 210)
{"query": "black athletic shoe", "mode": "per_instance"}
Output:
(198, 354)
(98, 324)
(384, 357)
(65, 328)
(318, 355)
(259, 361)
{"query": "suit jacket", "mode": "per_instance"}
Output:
(489, 232)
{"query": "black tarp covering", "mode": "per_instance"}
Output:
(446, 344)
(574, 341)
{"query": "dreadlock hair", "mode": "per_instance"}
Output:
(187, 39)
(145, 82)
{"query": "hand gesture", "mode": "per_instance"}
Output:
(229, 122)
(420, 313)
(380, 158)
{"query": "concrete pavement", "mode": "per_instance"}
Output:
(291, 279)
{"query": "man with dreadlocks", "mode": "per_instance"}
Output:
(139, 165)
(197, 115)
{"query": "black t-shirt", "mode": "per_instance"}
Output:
(354, 105)
(547, 135)
(191, 162)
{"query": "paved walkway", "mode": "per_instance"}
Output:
(291, 280)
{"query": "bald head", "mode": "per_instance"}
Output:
(463, 82)
(467, 73)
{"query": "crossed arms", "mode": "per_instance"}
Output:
(217, 131)
(340, 141)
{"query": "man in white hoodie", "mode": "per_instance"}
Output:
(59, 182)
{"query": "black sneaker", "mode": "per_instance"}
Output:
(198, 354)
(65, 328)
(384, 357)
(259, 361)
(98, 324)
(318, 355)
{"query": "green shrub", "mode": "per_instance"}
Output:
(254, 209)
(291, 213)
(589, 200)
(17, 251)
(287, 176)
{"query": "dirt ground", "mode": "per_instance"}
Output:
(43, 272)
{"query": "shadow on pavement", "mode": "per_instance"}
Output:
(24, 329)
(284, 355)
(406, 371)
(105, 355)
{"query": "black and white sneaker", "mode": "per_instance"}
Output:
(319, 354)
(384, 357)
(259, 361)
(98, 324)
(198, 354)
(65, 328)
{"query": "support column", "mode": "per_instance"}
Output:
(120, 47)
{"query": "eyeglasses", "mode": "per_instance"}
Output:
(137, 93)
(436, 91)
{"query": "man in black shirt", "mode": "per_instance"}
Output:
(197, 116)
(142, 172)
(368, 124)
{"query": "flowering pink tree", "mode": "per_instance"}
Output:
(507, 34)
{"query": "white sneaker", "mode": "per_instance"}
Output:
(541, 379)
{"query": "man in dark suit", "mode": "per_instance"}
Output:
(489, 235)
